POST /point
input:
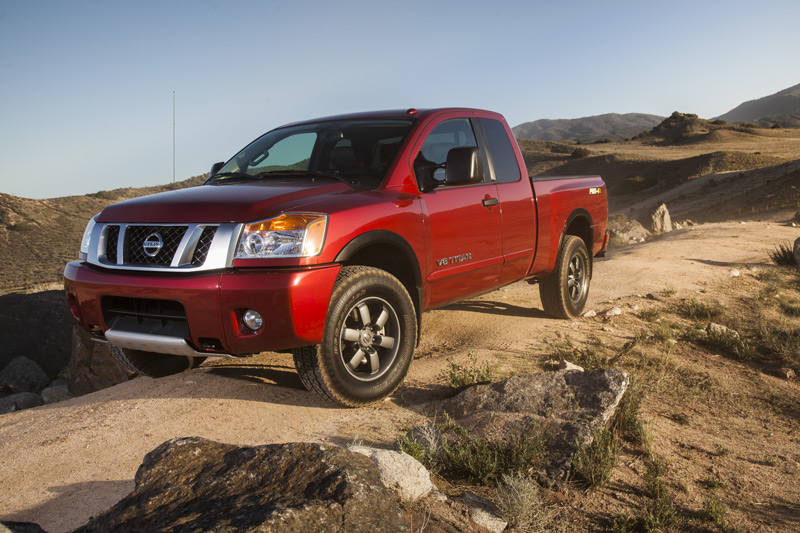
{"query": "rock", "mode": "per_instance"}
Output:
(91, 366)
(651, 296)
(734, 273)
(58, 391)
(797, 251)
(660, 221)
(590, 314)
(787, 373)
(565, 405)
(796, 217)
(36, 326)
(630, 231)
(608, 329)
(483, 512)
(566, 365)
(399, 472)
(23, 375)
(19, 401)
(676, 225)
(614, 311)
(194, 484)
(718, 330)
(20, 527)
(752, 268)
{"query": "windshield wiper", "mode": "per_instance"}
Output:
(231, 175)
(310, 173)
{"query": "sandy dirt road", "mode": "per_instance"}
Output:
(63, 463)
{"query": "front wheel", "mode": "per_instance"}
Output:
(564, 291)
(368, 342)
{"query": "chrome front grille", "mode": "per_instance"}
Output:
(164, 247)
(137, 239)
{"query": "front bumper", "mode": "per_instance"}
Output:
(293, 303)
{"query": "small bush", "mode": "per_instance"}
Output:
(483, 460)
(721, 451)
(106, 195)
(455, 455)
(595, 463)
(626, 420)
(681, 418)
(714, 483)
(783, 254)
(462, 376)
(580, 153)
(654, 486)
(714, 511)
(520, 503)
(23, 227)
(697, 310)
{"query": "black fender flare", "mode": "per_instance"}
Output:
(382, 236)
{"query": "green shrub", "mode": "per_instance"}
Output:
(595, 463)
(626, 419)
(714, 511)
(783, 254)
(580, 153)
(697, 310)
(23, 227)
(462, 376)
(520, 503)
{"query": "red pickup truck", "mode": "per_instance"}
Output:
(328, 238)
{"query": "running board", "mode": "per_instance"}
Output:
(155, 343)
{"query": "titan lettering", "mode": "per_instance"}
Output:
(454, 259)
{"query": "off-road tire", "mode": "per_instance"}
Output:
(154, 365)
(369, 312)
(564, 291)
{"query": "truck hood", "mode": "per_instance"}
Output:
(223, 202)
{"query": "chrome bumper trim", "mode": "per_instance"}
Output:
(155, 343)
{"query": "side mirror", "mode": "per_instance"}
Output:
(215, 168)
(463, 166)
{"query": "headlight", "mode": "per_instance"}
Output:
(87, 237)
(289, 235)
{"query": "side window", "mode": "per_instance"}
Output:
(449, 134)
(504, 159)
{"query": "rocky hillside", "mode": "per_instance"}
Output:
(781, 109)
(37, 237)
(611, 126)
(756, 168)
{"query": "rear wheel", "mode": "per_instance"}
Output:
(368, 343)
(564, 291)
(154, 365)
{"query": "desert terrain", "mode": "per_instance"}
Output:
(724, 423)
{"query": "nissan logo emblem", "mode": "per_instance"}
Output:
(153, 244)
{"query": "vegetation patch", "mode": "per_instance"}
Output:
(456, 455)
(461, 376)
(783, 254)
(594, 463)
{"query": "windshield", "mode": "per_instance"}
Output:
(356, 151)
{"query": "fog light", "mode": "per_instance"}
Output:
(252, 319)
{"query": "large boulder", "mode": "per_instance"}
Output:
(91, 366)
(194, 484)
(23, 375)
(37, 326)
(660, 221)
(566, 405)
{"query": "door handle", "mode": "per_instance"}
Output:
(489, 202)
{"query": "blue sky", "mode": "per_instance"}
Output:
(86, 87)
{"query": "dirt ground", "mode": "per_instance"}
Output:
(63, 463)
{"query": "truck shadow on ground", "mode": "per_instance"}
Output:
(105, 493)
(497, 308)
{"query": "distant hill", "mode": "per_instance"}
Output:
(781, 108)
(611, 126)
(38, 237)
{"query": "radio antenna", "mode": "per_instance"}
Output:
(173, 136)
